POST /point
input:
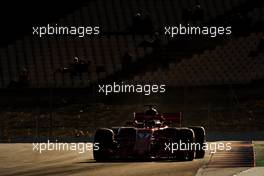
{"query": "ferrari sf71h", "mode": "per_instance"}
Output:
(151, 135)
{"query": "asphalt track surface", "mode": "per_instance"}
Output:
(20, 159)
(228, 163)
(241, 155)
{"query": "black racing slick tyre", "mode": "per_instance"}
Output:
(200, 139)
(186, 140)
(126, 140)
(171, 138)
(104, 139)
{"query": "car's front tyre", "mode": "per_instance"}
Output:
(105, 140)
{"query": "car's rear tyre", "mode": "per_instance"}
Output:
(199, 133)
(186, 139)
(105, 141)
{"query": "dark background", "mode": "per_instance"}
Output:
(63, 106)
(18, 17)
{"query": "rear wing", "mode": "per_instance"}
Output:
(175, 118)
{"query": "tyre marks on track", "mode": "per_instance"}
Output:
(240, 155)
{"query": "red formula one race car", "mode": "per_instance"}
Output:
(151, 135)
